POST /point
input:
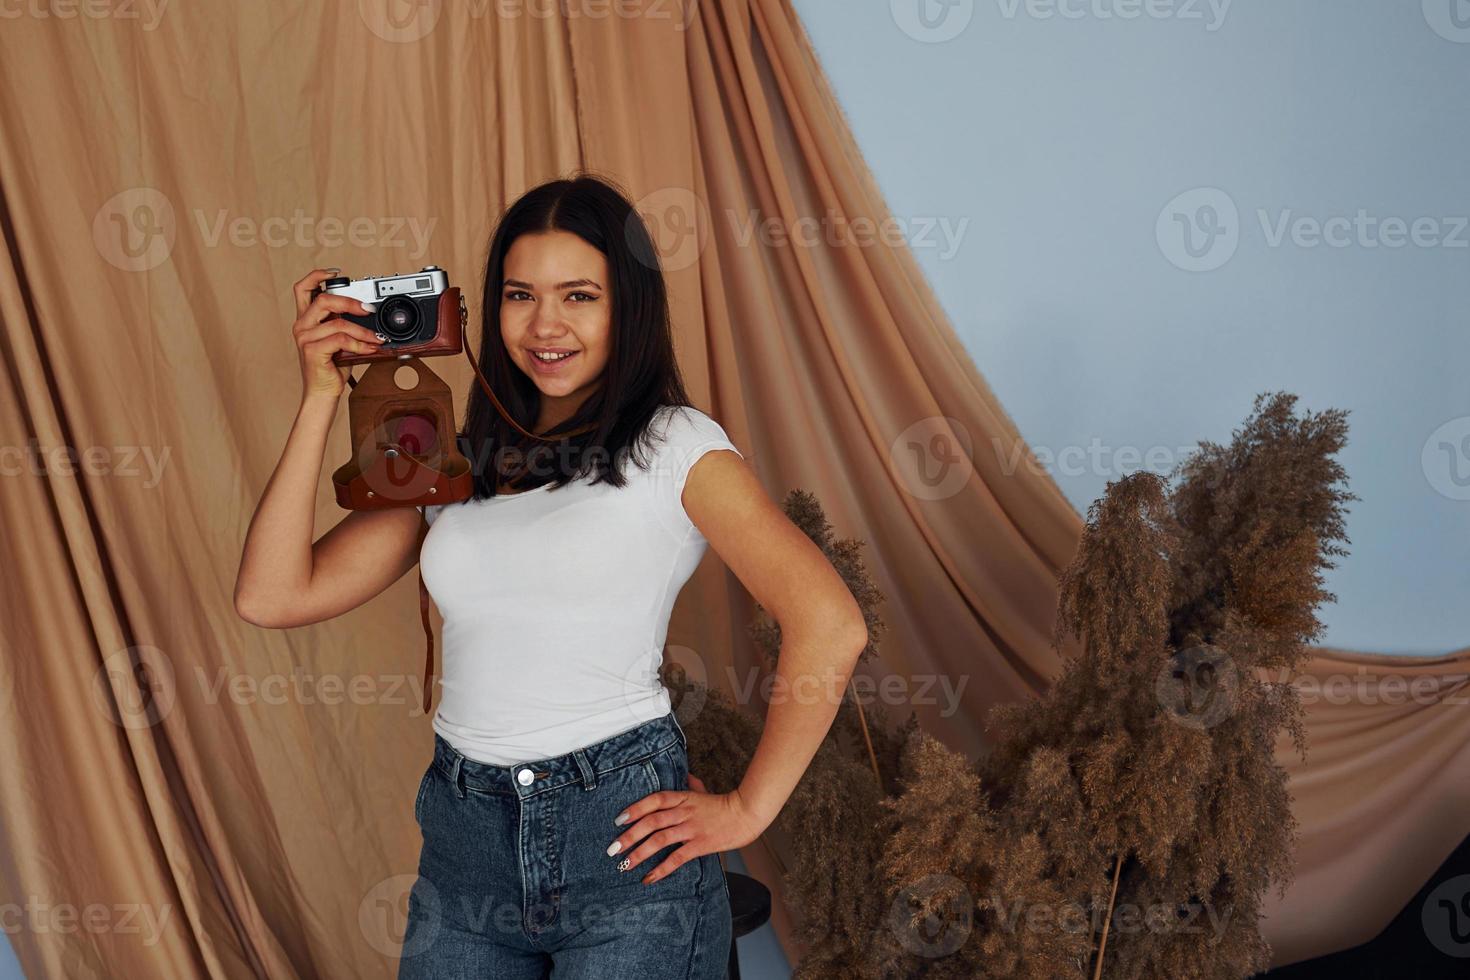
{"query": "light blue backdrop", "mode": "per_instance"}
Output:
(1051, 137)
(1139, 214)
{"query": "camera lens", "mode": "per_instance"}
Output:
(398, 319)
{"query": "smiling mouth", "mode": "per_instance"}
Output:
(543, 365)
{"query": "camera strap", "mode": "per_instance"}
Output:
(490, 393)
(429, 637)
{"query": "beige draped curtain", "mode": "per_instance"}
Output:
(235, 802)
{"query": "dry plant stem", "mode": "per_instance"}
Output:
(775, 855)
(1103, 944)
(867, 739)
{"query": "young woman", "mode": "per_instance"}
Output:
(560, 822)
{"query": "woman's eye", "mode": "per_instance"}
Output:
(518, 293)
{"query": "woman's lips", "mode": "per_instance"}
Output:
(551, 367)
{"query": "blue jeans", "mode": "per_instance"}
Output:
(514, 875)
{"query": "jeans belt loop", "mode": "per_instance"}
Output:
(589, 775)
(456, 776)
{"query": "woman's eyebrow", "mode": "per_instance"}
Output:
(561, 285)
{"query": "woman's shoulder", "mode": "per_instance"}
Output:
(681, 434)
(682, 423)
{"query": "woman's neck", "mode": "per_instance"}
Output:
(557, 410)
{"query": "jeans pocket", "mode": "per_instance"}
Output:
(669, 769)
(418, 802)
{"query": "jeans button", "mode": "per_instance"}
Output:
(524, 777)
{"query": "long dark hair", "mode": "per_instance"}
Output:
(641, 373)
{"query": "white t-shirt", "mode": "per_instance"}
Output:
(556, 602)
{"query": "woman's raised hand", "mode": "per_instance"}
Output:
(320, 332)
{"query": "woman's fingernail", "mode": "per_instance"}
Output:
(614, 848)
(622, 818)
(380, 336)
(370, 306)
(623, 865)
(332, 268)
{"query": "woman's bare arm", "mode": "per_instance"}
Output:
(285, 578)
(823, 632)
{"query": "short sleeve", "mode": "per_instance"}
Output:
(686, 435)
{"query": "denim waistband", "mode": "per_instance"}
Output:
(582, 765)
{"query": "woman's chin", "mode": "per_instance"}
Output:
(555, 387)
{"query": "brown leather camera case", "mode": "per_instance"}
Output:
(387, 469)
(448, 339)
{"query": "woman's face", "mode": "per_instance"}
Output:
(556, 298)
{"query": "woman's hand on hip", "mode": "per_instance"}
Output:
(704, 823)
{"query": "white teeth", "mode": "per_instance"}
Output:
(551, 357)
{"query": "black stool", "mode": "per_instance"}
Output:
(750, 908)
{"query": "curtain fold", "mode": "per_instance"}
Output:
(238, 801)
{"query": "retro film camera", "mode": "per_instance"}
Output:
(402, 414)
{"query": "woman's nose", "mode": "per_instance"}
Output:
(548, 318)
